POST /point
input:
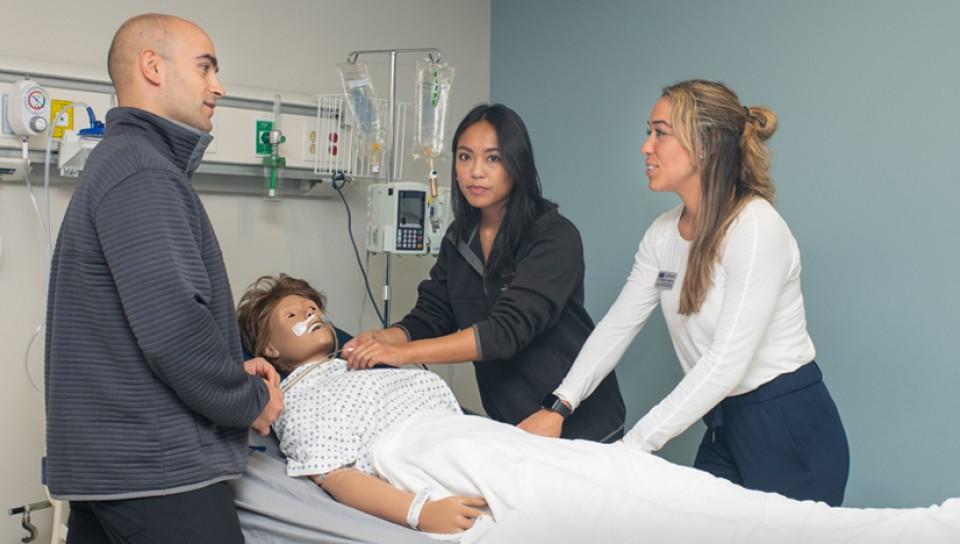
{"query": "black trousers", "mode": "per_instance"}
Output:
(204, 515)
(786, 436)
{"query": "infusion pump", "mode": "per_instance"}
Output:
(403, 219)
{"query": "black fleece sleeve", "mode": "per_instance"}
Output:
(432, 316)
(144, 226)
(545, 278)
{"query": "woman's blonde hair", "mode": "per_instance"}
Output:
(727, 140)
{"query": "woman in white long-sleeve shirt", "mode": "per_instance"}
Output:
(726, 271)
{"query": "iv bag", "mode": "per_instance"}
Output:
(432, 90)
(363, 104)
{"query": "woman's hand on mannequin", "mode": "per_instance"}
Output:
(451, 515)
(374, 352)
(544, 423)
(390, 335)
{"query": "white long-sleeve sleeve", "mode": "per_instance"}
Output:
(750, 328)
(615, 332)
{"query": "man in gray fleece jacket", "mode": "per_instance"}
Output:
(148, 399)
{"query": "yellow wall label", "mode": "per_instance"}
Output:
(66, 123)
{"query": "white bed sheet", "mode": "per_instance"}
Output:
(547, 490)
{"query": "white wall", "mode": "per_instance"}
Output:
(286, 46)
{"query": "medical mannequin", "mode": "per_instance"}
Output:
(282, 319)
(536, 489)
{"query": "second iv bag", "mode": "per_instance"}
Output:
(432, 90)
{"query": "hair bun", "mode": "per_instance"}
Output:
(762, 120)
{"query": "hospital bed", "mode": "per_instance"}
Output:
(277, 509)
(568, 491)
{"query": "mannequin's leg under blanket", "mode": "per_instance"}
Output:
(541, 489)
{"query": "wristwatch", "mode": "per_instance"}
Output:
(555, 404)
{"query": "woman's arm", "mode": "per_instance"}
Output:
(616, 331)
(389, 335)
(548, 272)
(458, 347)
(431, 317)
(377, 497)
(543, 282)
(608, 342)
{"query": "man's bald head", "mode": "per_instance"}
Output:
(167, 66)
(147, 31)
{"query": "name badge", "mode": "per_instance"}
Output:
(665, 280)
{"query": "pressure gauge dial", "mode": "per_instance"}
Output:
(29, 108)
(36, 100)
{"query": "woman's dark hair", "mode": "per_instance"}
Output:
(525, 203)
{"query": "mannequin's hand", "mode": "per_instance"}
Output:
(451, 515)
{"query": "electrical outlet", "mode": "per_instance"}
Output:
(329, 144)
(309, 143)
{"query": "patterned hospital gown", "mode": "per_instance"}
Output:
(333, 415)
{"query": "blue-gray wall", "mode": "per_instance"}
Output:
(866, 168)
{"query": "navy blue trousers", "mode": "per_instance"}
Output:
(785, 436)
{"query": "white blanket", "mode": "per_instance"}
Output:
(548, 490)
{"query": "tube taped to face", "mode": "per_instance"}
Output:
(364, 107)
(432, 91)
(301, 328)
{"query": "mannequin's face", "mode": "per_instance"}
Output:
(298, 332)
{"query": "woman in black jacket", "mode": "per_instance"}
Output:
(507, 289)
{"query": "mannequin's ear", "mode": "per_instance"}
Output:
(150, 66)
(271, 352)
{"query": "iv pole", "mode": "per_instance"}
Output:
(392, 175)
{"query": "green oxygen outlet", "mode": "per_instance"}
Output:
(263, 137)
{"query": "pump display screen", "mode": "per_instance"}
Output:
(411, 209)
(410, 220)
